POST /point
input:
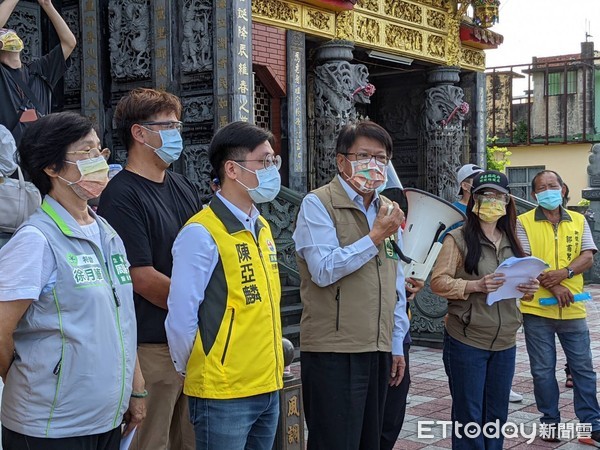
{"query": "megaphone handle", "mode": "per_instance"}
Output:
(401, 255)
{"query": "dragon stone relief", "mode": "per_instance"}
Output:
(196, 47)
(129, 44)
(73, 73)
(335, 84)
(442, 133)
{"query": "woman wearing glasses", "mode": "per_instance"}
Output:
(480, 340)
(67, 334)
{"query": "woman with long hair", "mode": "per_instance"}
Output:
(480, 339)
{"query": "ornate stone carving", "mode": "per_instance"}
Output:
(197, 167)
(442, 132)
(198, 109)
(403, 38)
(318, 20)
(428, 311)
(129, 45)
(442, 4)
(196, 47)
(404, 11)
(278, 10)
(436, 46)
(281, 214)
(371, 5)
(25, 20)
(73, 74)
(593, 169)
(367, 29)
(344, 25)
(436, 19)
(336, 80)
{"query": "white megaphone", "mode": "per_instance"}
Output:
(428, 217)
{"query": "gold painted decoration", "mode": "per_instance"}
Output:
(277, 10)
(403, 38)
(437, 20)
(344, 25)
(319, 20)
(371, 5)
(473, 59)
(436, 46)
(367, 29)
(402, 10)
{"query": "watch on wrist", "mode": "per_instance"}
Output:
(570, 272)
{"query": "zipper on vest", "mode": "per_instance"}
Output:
(499, 325)
(337, 307)
(100, 257)
(58, 369)
(228, 336)
(555, 229)
(379, 263)
(260, 254)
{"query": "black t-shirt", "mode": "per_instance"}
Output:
(41, 76)
(148, 216)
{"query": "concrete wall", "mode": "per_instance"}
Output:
(570, 161)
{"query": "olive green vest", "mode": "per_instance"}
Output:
(355, 314)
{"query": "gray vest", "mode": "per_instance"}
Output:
(75, 346)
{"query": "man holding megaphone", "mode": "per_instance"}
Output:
(353, 291)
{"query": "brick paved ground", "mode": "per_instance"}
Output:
(430, 397)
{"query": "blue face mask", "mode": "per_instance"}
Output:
(549, 199)
(172, 145)
(269, 184)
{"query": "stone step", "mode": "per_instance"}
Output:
(290, 295)
(290, 314)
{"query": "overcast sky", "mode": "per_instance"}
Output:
(543, 28)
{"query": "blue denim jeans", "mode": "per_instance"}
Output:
(246, 423)
(574, 338)
(480, 383)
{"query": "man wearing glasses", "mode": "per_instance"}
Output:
(352, 288)
(147, 205)
(224, 324)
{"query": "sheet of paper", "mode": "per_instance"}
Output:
(516, 271)
(127, 440)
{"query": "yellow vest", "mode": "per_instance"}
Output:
(558, 246)
(238, 350)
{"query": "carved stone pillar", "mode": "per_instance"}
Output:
(296, 76)
(335, 97)
(593, 213)
(442, 133)
(441, 140)
(233, 53)
(91, 92)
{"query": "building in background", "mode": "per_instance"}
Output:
(552, 121)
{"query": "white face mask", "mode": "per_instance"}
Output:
(93, 179)
(269, 184)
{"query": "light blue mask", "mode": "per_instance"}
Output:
(269, 184)
(549, 199)
(172, 145)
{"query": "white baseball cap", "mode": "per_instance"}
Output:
(467, 171)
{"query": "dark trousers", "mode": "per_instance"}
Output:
(344, 398)
(395, 407)
(109, 440)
